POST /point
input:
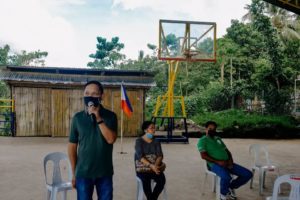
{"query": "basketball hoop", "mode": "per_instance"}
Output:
(187, 41)
(181, 41)
(191, 54)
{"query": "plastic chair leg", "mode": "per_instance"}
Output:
(278, 174)
(203, 185)
(214, 183)
(140, 190)
(64, 195)
(251, 181)
(164, 193)
(218, 187)
(48, 194)
(53, 194)
(137, 191)
(264, 179)
(261, 176)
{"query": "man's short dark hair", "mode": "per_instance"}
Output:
(96, 83)
(210, 123)
(146, 125)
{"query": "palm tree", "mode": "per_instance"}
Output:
(286, 23)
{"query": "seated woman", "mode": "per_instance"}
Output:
(148, 161)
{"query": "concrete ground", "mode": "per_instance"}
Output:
(22, 176)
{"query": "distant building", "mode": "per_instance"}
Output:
(46, 98)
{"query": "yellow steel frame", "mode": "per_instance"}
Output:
(166, 101)
(168, 98)
(12, 104)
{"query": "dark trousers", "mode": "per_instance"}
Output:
(160, 181)
(85, 188)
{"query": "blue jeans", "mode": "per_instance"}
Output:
(243, 176)
(85, 188)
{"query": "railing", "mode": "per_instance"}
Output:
(7, 117)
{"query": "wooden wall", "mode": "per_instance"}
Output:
(48, 111)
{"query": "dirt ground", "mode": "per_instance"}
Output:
(22, 176)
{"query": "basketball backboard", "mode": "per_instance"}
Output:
(187, 41)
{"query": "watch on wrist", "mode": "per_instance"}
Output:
(100, 122)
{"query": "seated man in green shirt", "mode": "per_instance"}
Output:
(219, 160)
(93, 132)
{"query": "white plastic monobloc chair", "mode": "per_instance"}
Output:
(293, 180)
(215, 181)
(57, 185)
(140, 190)
(262, 164)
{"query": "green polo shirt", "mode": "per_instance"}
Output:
(94, 154)
(214, 147)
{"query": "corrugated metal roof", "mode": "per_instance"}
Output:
(76, 76)
(290, 5)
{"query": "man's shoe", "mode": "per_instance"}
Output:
(231, 194)
(223, 197)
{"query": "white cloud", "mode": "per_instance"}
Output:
(28, 25)
(69, 35)
(217, 11)
(66, 2)
(145, 32)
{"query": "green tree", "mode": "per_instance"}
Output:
(240, 47)
(35, 58)
(153, 48)
(172, 43)
(273, 78)
(255, 58)
(286, 23)
(206, 46)
(107, 54)
(4, 57)
(11, 58)
(4, 91)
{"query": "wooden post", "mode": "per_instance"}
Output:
(222, 71)
(231, 83)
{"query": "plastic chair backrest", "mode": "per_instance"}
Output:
(258, 150)
(56, 157)
(293, 180)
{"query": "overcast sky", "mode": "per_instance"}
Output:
(67, 29)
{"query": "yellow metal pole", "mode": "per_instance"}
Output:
(5, 106)
(183, 107)
(169, 88)
(157, 107)
(215, 41)
(13, 105)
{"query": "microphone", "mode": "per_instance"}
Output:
(93, 117)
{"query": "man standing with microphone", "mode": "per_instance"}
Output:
(93, 132)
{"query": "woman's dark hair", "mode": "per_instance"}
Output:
(146, 125)
(210, 123)
(96, 83)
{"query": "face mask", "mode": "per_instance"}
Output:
(211, 133)
(91, 101)
(149, 135)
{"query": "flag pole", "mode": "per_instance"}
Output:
(122, 117)
(121, 131)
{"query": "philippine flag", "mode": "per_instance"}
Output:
(125, 103)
